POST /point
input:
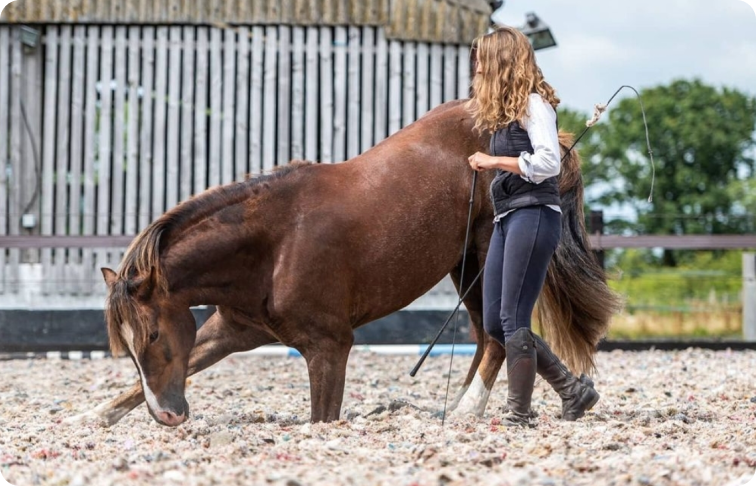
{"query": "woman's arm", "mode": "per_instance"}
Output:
(541, 126)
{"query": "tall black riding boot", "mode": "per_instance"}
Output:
(577, 395)
(521, 373)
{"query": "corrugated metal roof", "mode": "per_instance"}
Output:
(452, 21)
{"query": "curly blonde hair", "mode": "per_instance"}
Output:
(509, 74)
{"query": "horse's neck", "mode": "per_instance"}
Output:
(198, 260)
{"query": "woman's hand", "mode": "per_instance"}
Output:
(480, 161)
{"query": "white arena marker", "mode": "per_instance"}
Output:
(384, 349)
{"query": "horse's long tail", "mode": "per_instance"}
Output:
(576, 303)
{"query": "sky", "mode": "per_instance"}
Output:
(643, 43)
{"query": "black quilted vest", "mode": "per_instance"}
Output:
(510, 191)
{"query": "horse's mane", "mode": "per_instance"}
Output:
(142, 258)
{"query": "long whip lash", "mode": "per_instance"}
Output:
(598, 111)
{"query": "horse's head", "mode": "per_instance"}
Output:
(158, 334)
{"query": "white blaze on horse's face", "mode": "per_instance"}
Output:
(162, 359)
(128, 337)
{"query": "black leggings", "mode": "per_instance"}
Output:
(521, 248)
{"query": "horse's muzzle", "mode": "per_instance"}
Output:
(171, 419)
(173, 414)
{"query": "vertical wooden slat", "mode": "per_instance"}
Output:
(297, 94)
(90, 127)
(269, 99)
(14, 189)
(31, 138)
(200, 113)
(186, 102)
(395, 87)
(463, 72)
(146, 129)
(283, 150)
(104, 152)
(62, 142)
(119, 116)
(229, 85)
(353, 101)
(380, 111)
(75, 177)
(312, 91)
(450, 72)
(368, 88)
(339, 93)
(408, 84)
(326, 95)
(117, 203)
(4, 125)
(48, 153)
(242, 106)
(256, 108)
(421, 89)
(132, 133)
(172, 123)
(216, 87)
(158, 131)
(436, 75)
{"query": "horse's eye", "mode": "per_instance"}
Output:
(153, 337)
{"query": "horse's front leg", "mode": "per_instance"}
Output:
(326, 365)
(216, 339)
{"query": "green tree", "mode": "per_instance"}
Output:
(743, 192)
(700, 136)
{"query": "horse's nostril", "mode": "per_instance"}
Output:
(170, 418)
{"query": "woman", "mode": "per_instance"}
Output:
(517, 106)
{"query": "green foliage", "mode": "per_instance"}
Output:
(743, 193)
(709, 277)
(700, 298)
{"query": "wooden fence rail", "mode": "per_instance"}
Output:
(598, 242)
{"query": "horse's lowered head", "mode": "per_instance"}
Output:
(157, 332)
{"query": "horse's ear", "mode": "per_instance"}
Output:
(143, 285)
(109, 275)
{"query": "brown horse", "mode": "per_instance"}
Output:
(305, 255)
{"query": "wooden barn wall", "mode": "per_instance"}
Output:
(105, 127)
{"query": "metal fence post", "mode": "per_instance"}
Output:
(749, 296)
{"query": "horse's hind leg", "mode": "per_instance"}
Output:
(216, 339)
(489, 354)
